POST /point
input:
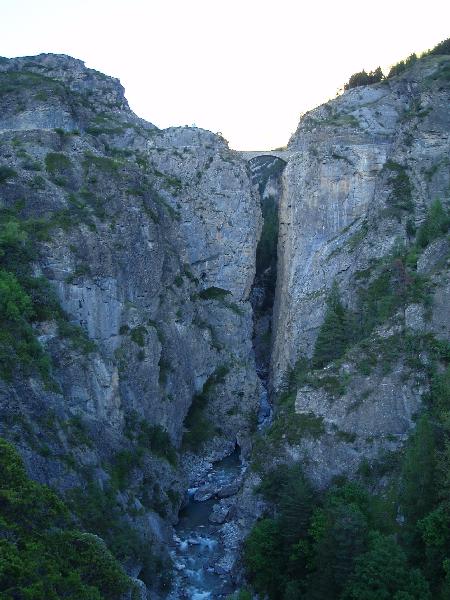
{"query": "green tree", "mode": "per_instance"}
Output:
(436, 223)
(343, 538)
(418, 489)
(263, 554)
(335, 333)
(363, 78)
(382, 573)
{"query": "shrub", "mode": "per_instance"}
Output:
(138, 334)
(214, 293)
(6, 173)
(57, 162)
(102, 163)
(25, 300)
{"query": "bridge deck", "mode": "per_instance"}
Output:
(283, 154)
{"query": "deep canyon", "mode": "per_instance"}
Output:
(166, 299)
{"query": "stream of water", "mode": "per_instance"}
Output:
(198, 544)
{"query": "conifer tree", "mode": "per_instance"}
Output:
(334, 334)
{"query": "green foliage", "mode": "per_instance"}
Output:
(350, 543)
(18, 343)
(138, 334)
(57, 162)
(355, 240)
(266, 251)
(77, 336)
(42, 555)
(26, 300)
(418, 490)
(264, 556)
(152, 438)
(402, 65)
(214, 293)
(436, 224)
(310, 547)
(335, 332)
(400, 198)
(101, 163)
(99, 512)
(220, 295)
(382, 573)
(363, 78)
(395, 286)
(6, 173)
(158, 441)
(441, 48)
(198, 427)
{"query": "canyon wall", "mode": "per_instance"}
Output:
(148, 241)
(365, 169)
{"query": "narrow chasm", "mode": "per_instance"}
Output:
(266, 172)
(199, 552)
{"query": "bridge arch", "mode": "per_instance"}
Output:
(281, 154)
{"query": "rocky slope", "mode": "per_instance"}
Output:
(148, 240)
(365, 169)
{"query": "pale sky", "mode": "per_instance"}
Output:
(246, 68)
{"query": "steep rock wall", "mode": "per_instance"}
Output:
(148, 238)
(364, 171)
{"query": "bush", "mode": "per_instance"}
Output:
(24, 300)
(6, 173)
(138, 334)
(214, 293)
(101, 163)
(57, 162)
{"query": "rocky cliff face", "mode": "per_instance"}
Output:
(138, 251)
(148, 239)
(364, 171)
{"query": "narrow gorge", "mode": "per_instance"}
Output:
(218, 367)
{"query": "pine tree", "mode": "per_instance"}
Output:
(436, 224)
(334, 334)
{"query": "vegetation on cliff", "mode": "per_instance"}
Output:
(364, 78)
(43, 554)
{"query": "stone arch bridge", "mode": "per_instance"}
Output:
(250, 154)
